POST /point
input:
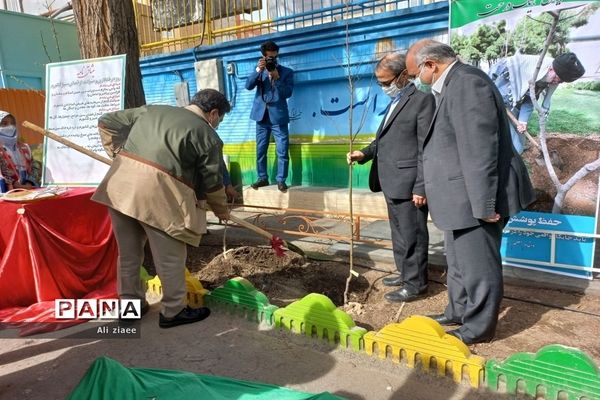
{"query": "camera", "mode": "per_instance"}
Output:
(270, 63)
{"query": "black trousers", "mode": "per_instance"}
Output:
(410, 241)
(475, 284)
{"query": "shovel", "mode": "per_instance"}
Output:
(276, 242)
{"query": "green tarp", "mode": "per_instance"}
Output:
(108, 379)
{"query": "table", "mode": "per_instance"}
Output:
(54, 248)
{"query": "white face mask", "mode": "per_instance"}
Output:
(8, 135)
(391, 90)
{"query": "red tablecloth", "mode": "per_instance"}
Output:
(56, 248)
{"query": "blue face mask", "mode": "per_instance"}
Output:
(423, 87)
(8, 136)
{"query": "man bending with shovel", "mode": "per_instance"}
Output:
(511, 75)
(166, 168)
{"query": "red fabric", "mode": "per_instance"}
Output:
(51, 249)
(277, 246)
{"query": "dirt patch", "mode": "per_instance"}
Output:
(568, 154)
(525, 324)
(283, 279)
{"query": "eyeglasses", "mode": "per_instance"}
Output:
(388, 83)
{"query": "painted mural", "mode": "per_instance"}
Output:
(544, 50)
(321, 102)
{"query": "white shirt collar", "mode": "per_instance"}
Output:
(438, 86)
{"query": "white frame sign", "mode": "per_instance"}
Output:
(77, 94)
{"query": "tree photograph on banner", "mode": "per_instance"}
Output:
(77, 94)
(543, 58)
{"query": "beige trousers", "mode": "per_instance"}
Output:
(169, 257)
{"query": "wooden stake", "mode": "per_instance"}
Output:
(67, 142)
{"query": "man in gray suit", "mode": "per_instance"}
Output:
(397, 170)
(474, 180)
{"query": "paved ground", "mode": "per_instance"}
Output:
(33, 368)
(221, 345)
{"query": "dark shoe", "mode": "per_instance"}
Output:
(442, 320)
(145, 308)
(260, 183)
(186, 316)
(404, 295)
(393, 280)
(465, 340)
(282, 187)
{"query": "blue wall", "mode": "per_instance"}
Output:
(317, 55)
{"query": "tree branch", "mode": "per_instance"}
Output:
(541, 112)
(582, 173)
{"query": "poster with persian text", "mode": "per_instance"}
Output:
(77, 94)
(547, 50)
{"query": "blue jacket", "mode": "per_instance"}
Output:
(271, 97)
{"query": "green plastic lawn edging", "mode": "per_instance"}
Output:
(553, 371)
(316, 312)
(239, 294)
(554, 368)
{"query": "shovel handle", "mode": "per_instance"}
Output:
(66, 142)
(250, 226)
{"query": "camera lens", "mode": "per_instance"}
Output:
(270, 63)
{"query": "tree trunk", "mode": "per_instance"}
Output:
(107, 28)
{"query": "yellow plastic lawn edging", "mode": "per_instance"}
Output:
(195, 291)
(421, 338)
(418, 340)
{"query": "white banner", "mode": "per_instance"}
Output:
(77, 94)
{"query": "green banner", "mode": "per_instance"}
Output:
(463, 12)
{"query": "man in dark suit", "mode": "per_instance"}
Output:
(274, 84)
(397, 170)
(474, 180)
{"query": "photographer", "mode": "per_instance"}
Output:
(274, 84)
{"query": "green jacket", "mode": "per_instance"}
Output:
(181, 142)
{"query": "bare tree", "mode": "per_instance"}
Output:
(351, 69)
(106, 28)
(561, 188)
(348, 67)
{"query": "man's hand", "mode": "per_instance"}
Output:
(231, 193)
(274, 75)
(522, 127)
(356, 155)
(223, 216)
(492, 219)
(261, 64)
(419, 200)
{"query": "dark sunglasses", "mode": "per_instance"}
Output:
(388, 83)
